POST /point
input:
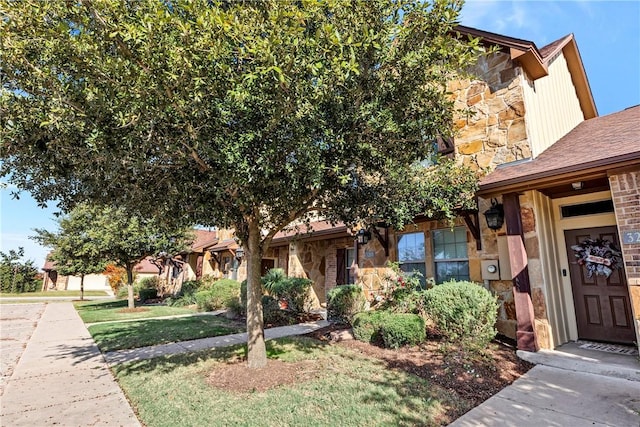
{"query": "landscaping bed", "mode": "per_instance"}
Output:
(472, 379)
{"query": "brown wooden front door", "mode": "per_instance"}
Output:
(603, 308)
(267, 264)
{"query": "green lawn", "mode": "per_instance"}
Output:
(344, 388)
(54, 294)
(108, 311)
(142, 333)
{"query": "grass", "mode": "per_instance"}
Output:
(142, 333)
(48, 294)
(348, 389)
(108, 311)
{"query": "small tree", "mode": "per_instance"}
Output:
(126, 240)
(17, 275)
(91, 237)
(77, 245)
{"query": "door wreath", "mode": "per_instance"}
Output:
(599, 256)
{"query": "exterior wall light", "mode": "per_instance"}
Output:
(239, 253)
(363, 236)
(495, 215)
(577, 185)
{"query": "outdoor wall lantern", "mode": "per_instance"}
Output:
(363, 236)
(239, 253)
(495, 215)
(577, 185)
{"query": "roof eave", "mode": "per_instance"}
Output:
(569, 173)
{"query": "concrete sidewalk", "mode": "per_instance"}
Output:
(62, 378)
(566, 388)
(135, 354)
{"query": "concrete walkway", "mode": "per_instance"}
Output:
(570, 387)
(135, 354)
(61, 378)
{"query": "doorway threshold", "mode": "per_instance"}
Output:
(572, 356)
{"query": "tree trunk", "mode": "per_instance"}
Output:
(82, 287)
(131, 302)
(257, 353)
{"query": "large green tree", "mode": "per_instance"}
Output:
(243, 114)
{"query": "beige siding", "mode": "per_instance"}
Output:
(552, 106)
(92, 282)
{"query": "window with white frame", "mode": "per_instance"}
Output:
(450, 254)
(411, 253)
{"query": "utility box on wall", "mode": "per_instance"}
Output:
(490, 269)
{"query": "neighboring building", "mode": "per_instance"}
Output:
(187, 265)
(53, 281)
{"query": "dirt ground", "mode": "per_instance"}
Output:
(473, 380)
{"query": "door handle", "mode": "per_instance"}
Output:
(564, 272)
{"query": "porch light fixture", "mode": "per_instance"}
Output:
(363, 236)
(495, 215)
(239, 253)
(577, 185)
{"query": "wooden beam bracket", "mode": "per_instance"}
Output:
(384, 240)
(472, 220)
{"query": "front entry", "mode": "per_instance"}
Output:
(603, 308)
(266, 265)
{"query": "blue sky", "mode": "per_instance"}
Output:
(608, 37)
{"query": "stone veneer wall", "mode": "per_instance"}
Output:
(494, 130)
(625, 188)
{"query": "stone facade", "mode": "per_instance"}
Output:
(493, 130)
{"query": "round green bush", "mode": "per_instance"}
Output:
(343, 302)
(367, 325)
(222, 294)
(400, 329)
(147, 294)
(462, 311)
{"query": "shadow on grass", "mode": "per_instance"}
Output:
(88, 305)
(147, 332)
(276, 349)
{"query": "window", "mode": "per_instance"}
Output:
(350, 254)
(345, 258)
(411, 254)
(450, 254)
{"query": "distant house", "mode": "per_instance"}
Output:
(53, 281)
(185, 266)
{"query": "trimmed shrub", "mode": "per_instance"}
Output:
(462, 311)
(222, 294)
(343, 302)
(401, 329)
(147, 288)
(368, 324)
(271, 312)
(295, 291)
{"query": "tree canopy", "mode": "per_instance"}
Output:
(238, 114)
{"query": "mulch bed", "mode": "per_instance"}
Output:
(473, 379)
